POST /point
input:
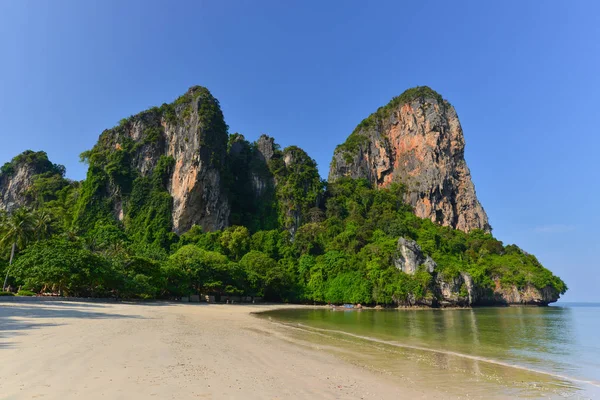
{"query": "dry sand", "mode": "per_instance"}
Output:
(67, 350)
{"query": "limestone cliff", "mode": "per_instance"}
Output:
(272, 188)
(410, 257)
(460, 289)
(416, 140)
(252, 184)
(185, 143)
(18, 176)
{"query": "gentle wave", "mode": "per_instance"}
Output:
(311, 329)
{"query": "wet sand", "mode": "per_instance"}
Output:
(68, 350)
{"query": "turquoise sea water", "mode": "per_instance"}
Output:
(556, 346)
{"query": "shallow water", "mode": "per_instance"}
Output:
(522, 351)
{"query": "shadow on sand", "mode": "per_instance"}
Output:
(19, 316)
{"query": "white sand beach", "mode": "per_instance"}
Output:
(89, 350)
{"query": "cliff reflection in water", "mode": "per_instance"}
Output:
(539, 338)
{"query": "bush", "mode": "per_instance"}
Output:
(6, 293)
(24, 292)
(65, 267)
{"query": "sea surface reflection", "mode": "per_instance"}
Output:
(553, 346)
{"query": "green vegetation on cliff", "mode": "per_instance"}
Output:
(299, 187)
(35, 160)
(283, 191)
(251, 186)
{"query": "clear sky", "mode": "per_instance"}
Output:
(524, 77)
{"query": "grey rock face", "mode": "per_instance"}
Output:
(410, 257)
(196, 187)
(266, 147)
(456, 291)
(261, 184)
(17, 177)
(262, 180)
(419, 143)
(14, 187)
(461, 290)
(528, 295)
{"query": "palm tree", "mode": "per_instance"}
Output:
(43, 224)
(16, 230)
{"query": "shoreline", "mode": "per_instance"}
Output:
(111, 300)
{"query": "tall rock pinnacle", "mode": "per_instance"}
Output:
(166, 160)
(416, 140)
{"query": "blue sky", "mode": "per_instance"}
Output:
(523, 76)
